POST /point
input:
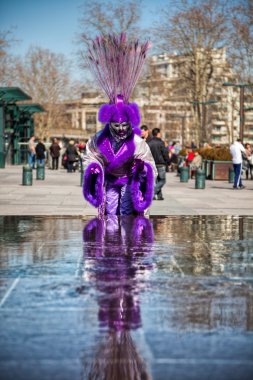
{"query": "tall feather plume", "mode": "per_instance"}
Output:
(116, 64)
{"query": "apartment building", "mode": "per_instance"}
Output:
(164, 103)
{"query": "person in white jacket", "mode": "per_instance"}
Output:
(236, 150)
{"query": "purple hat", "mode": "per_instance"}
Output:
(120, 113)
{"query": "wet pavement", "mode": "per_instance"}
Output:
(126, 298)
(60, 194)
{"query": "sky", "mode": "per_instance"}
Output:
(53, 24)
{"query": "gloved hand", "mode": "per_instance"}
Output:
(138, 165)
(94, 170)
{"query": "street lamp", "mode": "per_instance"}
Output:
(241, 86)
(183, 118)
(203, 124)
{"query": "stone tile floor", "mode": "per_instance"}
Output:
(61, 194)
(126, 298)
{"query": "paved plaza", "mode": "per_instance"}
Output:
(125, 298)
(60, 194)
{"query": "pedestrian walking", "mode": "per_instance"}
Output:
(249, 163)
(195, 164)
(31, 152)
(72, 156)
(161, 158)
(236, 151)
(40, 150)
(55, 153)
(145, 134)
(82, 147)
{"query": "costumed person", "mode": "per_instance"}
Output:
(119, 169)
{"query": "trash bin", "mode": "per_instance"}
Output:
(27, 179)
(184, 174)
(40, 171)
(200, 179)
(231, 175)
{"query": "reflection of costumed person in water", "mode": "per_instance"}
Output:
(118, 287)
(119, 169)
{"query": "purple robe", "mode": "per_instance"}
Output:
(119, 182)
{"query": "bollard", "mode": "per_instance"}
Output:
(27, 179)
(231, 175)
(81, 178)
(40, 172)
(184, 174)
(81, 175)
(200, 179)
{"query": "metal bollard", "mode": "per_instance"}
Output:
(40, 172)
(184, 174)
(200, 179)
(231, 175)
(27, 178)
(81, 175)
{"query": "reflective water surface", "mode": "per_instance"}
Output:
(126, 298)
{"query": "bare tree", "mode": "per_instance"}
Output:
(241, 51)
(107, 17)
(45, 76)
(99, 17)
(196, 31)
(6, 41)
(7, 61)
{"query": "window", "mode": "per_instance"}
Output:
(79, 120)
(91, 121)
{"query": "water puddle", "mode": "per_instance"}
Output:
(126, 298)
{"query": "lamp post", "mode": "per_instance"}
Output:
(242, 87)
(203, 119)
(183, 119)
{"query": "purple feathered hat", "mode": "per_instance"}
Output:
(116, 65)
(120, 112)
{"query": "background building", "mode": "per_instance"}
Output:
(164, 102)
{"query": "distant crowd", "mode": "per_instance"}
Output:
(168, 156)
(67, 154)
(172, 157)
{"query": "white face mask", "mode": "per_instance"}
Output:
(120, 131)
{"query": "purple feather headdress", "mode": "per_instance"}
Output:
(116, 65)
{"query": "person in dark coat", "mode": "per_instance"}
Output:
(40, 150)
(145, 134)
(72, 156)
(55, 154)
(161, 158)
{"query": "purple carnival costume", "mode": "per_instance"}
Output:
(119, 169)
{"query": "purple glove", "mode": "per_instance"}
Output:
(94, 170)
(138, 165)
